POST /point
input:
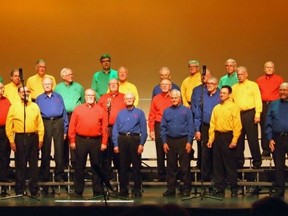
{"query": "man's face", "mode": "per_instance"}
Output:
(41, 68)
(129, 100)
(283, 92)
(68, 76)
(15, 78)
(113, 86)
(90, 97)
(230, 67)
(164, 74)
(47, 85)
(175, 99)
(106, 63)
(211, 86)
(224, 94)
(165, 85)
(242, 75)
(24, 93)
(1, 90)
(122, 73)
(193, 69)
(269, 68)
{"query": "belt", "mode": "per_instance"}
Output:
(245, 111)
(180, 137)
(51, 118)
(2, 127)
(89, 137)
(223, 132)
(27, 134)
(129, 134)
(267, 102)
(282, 134)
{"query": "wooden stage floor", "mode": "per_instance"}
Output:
(64, 204)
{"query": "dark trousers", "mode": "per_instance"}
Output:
(224, 161)
(53, 129)
(160, 152)
(85, 147)
(128, 146)
(207, 154)
(108, 156)
(250, 129)
(177, 151)
(26, 151)
(264, 141)
(281, 149)
(5, 151)
(67, 152)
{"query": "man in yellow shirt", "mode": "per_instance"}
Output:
(224, 131)
(125, 86)
(247, 97)
(11, 89)
(26, 138)
(34, 83)
(190, 82)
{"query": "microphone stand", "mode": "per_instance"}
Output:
(24, 132)
(202, 193)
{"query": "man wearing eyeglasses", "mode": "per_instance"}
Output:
(101, 78)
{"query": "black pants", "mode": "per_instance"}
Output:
(250, 129)
(207, 154)
(177, 151)
(160, 152)
(264, 141)
(26, 151)
(281, 149)
(224, 161)
(84, 147)
(53, 129)
(128, 146)
(5, 151)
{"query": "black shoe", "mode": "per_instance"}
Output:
(137, 194)
(253, 191)
(123, 194)
(169, 193)
(34, 194)
(4, 193)
(218, 193)
(185, 193)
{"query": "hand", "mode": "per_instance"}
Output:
(140, 149)
(152, 135)
(188, 147)
(209, 145)
(40, 144)
(165, 148)
(198, 136)
(103, 147)
(272, 145)
(65, 136)
(13, 146)
(116, 150)
(73, 146)
(256, 120)
(232, 145)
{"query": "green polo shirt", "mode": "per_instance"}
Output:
(228, 80)
(72, 94)
(100, 81)
(1, 79)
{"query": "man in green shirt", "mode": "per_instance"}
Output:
(231, 77)
(73, 95)
(1, 79)
(101, 78)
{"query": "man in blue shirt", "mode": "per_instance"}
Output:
(277, 134)
(129, 135)
(202, 114)
(177, 134)
(55, 122)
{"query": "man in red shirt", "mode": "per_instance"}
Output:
(4, 143)
(269, 88)
(159, 103)
(112, 103)
(88, 135)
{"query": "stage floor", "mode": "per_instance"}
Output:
(64, 204)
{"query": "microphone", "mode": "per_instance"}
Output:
(21, 74)
(108, 103)
(204, 71)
